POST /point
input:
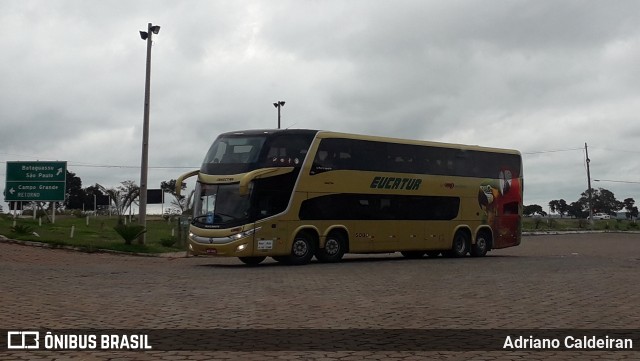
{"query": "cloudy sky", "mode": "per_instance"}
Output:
(543, 77)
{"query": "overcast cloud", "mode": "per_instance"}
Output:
(543, 77)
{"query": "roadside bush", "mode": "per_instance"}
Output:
(21, 229)
(618, 224)
(168, 242)
(537, 222)
(78, 213)
(129, 232)
(582, 223)
(552, 223)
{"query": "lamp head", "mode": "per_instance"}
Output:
(155, 29)
(144, 35)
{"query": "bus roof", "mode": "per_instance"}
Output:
(331, 134)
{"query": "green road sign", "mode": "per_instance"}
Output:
(36, 181)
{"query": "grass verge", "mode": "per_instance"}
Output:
(97, 233)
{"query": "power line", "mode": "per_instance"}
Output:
(72, 164)
(615, 181)
(127, 166)
(617, 150)
(553, 151)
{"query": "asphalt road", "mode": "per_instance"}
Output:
(566, 282)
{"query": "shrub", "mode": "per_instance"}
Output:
(552, 223)
(129, 232)
(168, 242)
(537, 222)
(582, 223)
(21, 229)
(78, 213)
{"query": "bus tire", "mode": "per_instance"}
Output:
(302, 249)
(334, 248)
(460, 245)
(433, 254)
(413, 254)
(480, 248)
(252, 261)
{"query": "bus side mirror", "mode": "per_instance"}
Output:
(182, 178)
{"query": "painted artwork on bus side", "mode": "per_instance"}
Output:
(500, 199)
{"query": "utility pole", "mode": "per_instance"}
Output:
(145, 35)
(589, 191)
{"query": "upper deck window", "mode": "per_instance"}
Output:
(355, 154)
(236, 153)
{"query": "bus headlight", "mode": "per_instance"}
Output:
(241, 247)
(244, 234)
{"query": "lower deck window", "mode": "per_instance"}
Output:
(379, 207)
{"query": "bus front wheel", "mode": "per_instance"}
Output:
(252, 261)
(302, 249)
(334, 248)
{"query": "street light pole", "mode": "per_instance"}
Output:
(142, 218)
(278, 104)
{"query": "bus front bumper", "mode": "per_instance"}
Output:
(237, 245)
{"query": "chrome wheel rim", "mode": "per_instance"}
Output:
(300, 248)
(332, 247)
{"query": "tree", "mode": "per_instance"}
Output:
(631, 209)
(578, 209)
(75, 194)
(533, 210)
(122, 196)
(602, 201)
(93, 195)
(560, 206)
(179, 201)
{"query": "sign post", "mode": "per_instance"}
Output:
(36, 182)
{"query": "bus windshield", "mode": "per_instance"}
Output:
(233, 154)
(237, 153)
(217, 205)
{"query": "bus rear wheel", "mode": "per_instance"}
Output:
(480, 248)
(302, 249)
(460, 245)
(252, 261)
(334, 248)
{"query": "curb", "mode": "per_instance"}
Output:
(181, 254)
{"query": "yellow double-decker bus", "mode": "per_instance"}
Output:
(295, 194)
